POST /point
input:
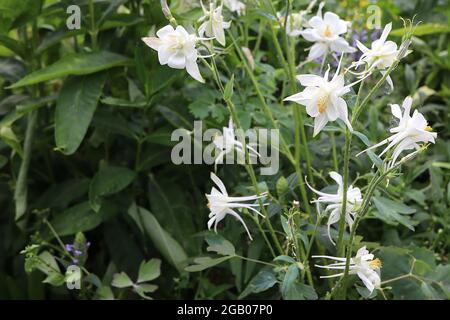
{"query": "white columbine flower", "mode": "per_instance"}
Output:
(381, 54)
(325, 32)
(322, 98)
(235, 6)
(409, 132)
(334, 201)
(213, 25)
(220, 204)
(176, 48)
(227, 142)
(363, 264)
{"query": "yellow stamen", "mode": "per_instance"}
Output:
(209, 205)
(327, 33)
(428, 128)
(322, 103)
(376, 263)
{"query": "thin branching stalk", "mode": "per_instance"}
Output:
(248, 166)
(266, 109)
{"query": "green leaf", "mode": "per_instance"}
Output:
(142, 289)
(393, 213)
(121, 280)
(423, 29)
(263, 281)
(163, 241)
(220, 245)
(13, 45)
(9, 137)
(289, 279)
(282, 186)
(74, 110)
(48, 263)
(75, 64)
(300, 291)
(203, 263)
(149, 270)
(78, 218)
(107, 181)
(104, 293)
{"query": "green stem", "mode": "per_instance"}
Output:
(93, 28)
(248, 166)
(298, 118)
(340, 242)
(268, 113)
(333, 148)
(256, 261)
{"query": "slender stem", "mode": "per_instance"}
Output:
(256, 261)
(248, 166)
(268, 113)
(298, 118)
(359, 107)
(333, 148)
(340, 242)
(264, 236)
(93, 28)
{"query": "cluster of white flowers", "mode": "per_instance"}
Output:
(177, 47)
(323, 99)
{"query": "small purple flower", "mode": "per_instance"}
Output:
(69, 247)
(88, 244)
(376, 34)
(77, 253)
(319, 60)
(75, 261)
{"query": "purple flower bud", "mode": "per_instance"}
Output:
(88, 244)
(75, 261)
(69, 247)
(77, 253)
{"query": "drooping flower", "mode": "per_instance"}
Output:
(381, 54)
(235, 6)
(220, 204)
(363, 264)
(326, 33)
(411, 130)
(177, 49)
(334, 202)
(227, 142)
(323, 99)
(213, 24)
